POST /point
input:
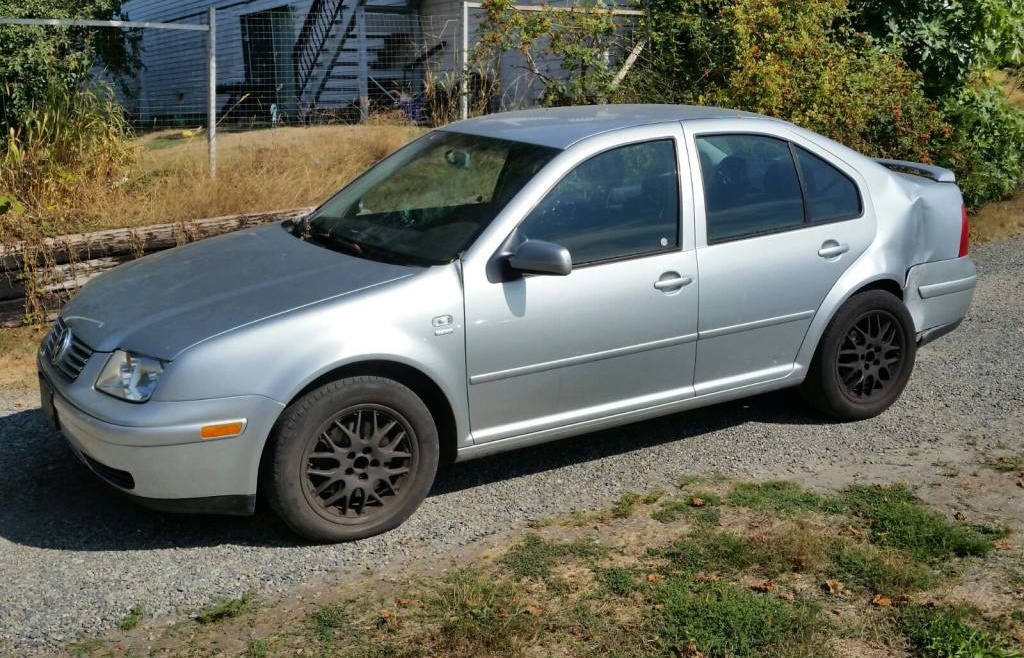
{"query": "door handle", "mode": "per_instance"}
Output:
(833, 249)
(670, 282)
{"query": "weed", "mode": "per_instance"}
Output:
(226, 609)
(782, 497)
(325, 623)
(479, 615)
(132, 619)
(947, 633)
(618, 581)
(534, 556)
(713, 552)
(653, 497)
(1006, 464)
(879, 570)
(700, 507)
(257, 649)
(625, 506)
(898, 519)
(85, 647)
(722, 620)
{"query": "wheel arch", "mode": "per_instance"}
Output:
(415, 379)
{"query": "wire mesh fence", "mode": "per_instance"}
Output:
(337, 61)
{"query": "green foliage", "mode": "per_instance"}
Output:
(986, 146)
(481, 616)
(580, 39)
(897, 519)
(132, 619)
(257, 648)
(618, 581)
(791, 59)
(226, 609)
(946, 41)
(783, 497)
(950, 633)
(34, 60)
(721, 620)
(878, 570)
(535, 556)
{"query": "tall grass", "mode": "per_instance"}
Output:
(69, 150)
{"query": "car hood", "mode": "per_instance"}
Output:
(162, 304)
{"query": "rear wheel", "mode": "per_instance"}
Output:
(352, 459)
(864, 359)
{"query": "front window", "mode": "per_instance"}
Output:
(429, 201)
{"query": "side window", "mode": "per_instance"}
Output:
(750, 185)
(620, 203)
(831, 195)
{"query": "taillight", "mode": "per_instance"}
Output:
(965, 235)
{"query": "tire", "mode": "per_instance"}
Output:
(864, 358)
(351, 459)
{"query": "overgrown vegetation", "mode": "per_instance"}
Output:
(781, 572)
(228, 608)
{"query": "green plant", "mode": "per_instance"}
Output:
(534, 556)
(776, 496)
(132, 619)
(257, 648)
(949, 633)
(226, 609)
(618, 581)
(85, 647)
(721, 620)
(878, 570)
(480, 615)
(625, 506)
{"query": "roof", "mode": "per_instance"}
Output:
(560, 127)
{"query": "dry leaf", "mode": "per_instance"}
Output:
(832, 586)
(1002, 545)
(576, 630)
(707, 577)
(789, 596)
(698, 502)
(534, 610)
(1020, 483)
(960, 516)
(881, 601)
(405, 603)
(763, 586)
(653, 578)
(385, 614)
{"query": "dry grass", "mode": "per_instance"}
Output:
(17, 358)
(999, 220)
(257, 171)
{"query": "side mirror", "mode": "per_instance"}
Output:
(540, 257)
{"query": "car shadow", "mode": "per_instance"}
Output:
(48, 499)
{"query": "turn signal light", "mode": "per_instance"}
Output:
(222, 430)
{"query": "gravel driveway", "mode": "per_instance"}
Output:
(75, 557)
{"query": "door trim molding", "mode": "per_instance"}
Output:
(758, 324)
(582, 358)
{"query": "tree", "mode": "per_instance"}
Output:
(35, 60)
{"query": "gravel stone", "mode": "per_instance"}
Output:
(75, 556)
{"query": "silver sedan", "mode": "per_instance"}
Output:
(502, 282)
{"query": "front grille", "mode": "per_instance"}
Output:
(114, 476)
(66, 352)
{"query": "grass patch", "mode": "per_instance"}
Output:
(780, 497)
(950, 633)
(18, 357)
(257, 648)
(478, 615)
(878, 570)
(226, 609)
(625, 506)
(898, 519)
(618, 581)
(85, 647)
(700, 507)
(1006, 464)
(535, 556)
(132, 619)
(722, 620)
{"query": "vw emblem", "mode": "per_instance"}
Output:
(61, 343)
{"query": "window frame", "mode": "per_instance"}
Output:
(807, 223)
(676, 144)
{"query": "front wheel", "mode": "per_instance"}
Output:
(352, 459)
(864, 359)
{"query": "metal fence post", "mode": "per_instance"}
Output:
(211, 110)
(464, 84)
(364, 66)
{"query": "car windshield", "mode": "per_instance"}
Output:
(428, 202)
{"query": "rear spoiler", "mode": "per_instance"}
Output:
(937, 174)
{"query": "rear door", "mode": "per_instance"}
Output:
(778, 224)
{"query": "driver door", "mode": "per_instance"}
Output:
(618, 334)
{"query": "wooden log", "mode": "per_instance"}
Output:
(132, 241)
(61, 278)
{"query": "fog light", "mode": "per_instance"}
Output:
(222, 430)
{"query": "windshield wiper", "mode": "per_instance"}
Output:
(337, 242)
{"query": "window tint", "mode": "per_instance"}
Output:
(621, 203)
(750, 185)
(831, 195)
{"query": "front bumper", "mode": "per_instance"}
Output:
(938, 296)
(167, 466)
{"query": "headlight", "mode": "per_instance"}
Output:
(129, 376)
